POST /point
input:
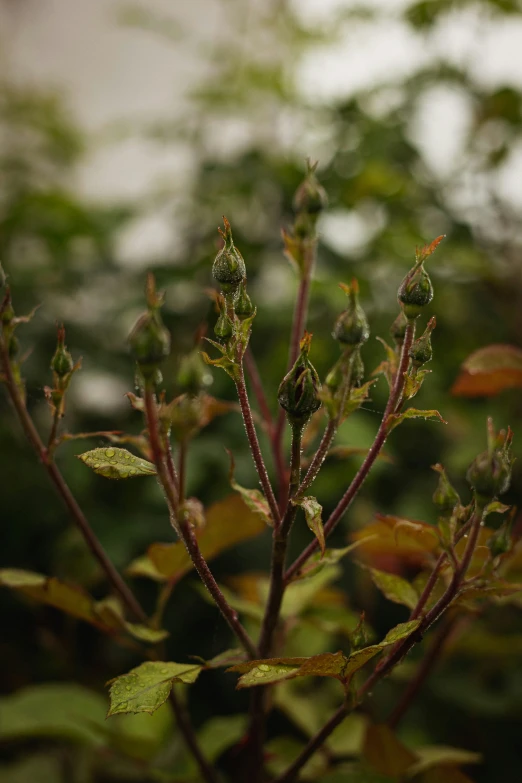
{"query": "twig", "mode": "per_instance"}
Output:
(185, 530)
(254, 445)
(313, 745)
(65, 493)
(372, 455)
(185, 726)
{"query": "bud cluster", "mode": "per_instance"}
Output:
(149, 340)
(490, 473)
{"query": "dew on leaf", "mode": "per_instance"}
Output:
(264, 667)
(258, 674)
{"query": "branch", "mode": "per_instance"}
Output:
(184, 528)
(185, 726)
(254, 445)
(65, 493)
(373, 453)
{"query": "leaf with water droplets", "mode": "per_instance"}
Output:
(313, 513)
(394, 419)
(116, 463)
(148, 686)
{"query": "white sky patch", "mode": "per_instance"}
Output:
(509, 177)
(99, 391)
(349, 231)
(148, 239)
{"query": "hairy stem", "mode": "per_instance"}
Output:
(373, 453)
(113, 577)
(273, 607)
(254, 445)
(184, 528)
(298, 327)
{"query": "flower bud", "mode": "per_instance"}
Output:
(310, 197)
(149, 342)
(243, 307)
(228, 268)
(500, 542)
(298, 391)
(223, 327)
(398, 329)
(415, 291)
(62, 361)
(351, 328)
(445, 496)
(193, 374)
(421, 351)
(490, 473)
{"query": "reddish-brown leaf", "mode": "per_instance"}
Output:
(489, 371)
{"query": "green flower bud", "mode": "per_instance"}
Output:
(223, 327)
(415, 291)
(149, 342)
(193, 374)
(398, 328)
(490, 473)
(445, 496)
(228, 268)
(243, 307)
(310, 197)
(500, 542)
(62, 361)
(335, 377)
(351, 328)
(421, 351)
(298, 391)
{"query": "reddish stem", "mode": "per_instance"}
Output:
(372, 455)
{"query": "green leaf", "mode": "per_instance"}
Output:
(107, 615)
(53, 710)
(394, 419)
(228, 522)
(148, 686)
(395, 588)
(413, 383)
(443, 756)
(300, 594)
(37, 768)
(272, 670)
(313, 514)
(117, 463)
(330, 557)
(254, 498)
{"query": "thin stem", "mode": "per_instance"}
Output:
(372, 455)
(273, 607)
(184, 528)
(170, 464)
(424, 670)
(182, 469)
(313, 745)
(65, 493)
(254, 445)
(183, 721)
(298, 327)
(318, 458)
(54, 430)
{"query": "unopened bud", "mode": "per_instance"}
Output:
(421, 350)
(223, 327)
(310, 197)
(445, 496)
(415, 291)
(149, 342)
(193, 374)
(490, 473)
(62, 361)
(298, 391)
(228, 268)
(500, 542)
(243, 307)
(398, 328)
(351, 328)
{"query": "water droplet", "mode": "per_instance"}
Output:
(113, 462)
(259, 675)
(128, 688)
(96, 465)
(133, 471)
(164, 671)
(109, 452)
(123, 705)
(263, 667)
(127, 455)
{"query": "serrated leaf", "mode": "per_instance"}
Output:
(117, 463)
(395, 588)
(269, 671)
(229, 522)
(313, 514)
(254, 498)
(394, 419)
(148, 686)
(107, 615)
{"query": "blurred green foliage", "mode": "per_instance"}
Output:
(62, 251)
